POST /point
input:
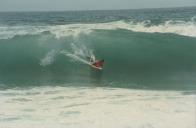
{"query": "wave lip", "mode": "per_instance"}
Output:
(7, 32)
(176, 27)
(185, 28)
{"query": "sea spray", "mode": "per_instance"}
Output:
(49, 58)
(79, 53)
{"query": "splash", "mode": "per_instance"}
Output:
(79, 53)
(49, 58)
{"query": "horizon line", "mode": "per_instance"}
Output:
(99, 9)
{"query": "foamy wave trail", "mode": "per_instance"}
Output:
(185, 28)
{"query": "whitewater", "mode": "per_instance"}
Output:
(48, 107)
(185, 28)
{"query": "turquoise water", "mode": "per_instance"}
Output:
(144, 49)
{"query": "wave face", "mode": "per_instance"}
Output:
(139, 53)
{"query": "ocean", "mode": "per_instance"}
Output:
(148, 78)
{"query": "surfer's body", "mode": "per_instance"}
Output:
(97, 64)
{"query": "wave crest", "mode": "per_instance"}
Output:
(185, 28)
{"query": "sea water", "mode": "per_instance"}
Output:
(148, 79)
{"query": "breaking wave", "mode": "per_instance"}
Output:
(132, 59)
(185, 28)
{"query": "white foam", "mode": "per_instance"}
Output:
(177, 27)
(186, 28)
(7, 32)
(70, 107)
